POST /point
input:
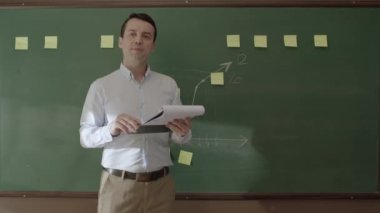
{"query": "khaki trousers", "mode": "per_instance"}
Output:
(117, 195)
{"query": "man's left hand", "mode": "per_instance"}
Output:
(180, 127)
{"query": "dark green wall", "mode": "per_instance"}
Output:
(287, 119)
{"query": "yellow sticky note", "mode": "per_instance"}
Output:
(233, 40)
(290, 40)
(217, 78)
(260, 41)
(320, 41)
(185, 157)
(51, 42)
(21, 43)
(106, 41)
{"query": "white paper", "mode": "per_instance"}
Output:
(171, 112)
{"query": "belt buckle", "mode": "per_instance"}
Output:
(142, 177)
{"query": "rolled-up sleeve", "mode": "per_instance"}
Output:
(177, 101)
(94, 130)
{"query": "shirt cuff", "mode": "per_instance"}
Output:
(182, 139)
(107, 133)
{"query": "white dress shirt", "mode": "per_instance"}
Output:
(118, 93)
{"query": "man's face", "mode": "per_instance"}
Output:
(137, 42)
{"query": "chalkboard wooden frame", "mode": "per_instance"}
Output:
(207, 196)
(196, 3)
(189, 3)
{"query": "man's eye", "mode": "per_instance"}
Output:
(147, 36)
(131, 34)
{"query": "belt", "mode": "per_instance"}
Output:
(139, 177)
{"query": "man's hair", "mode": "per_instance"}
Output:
(143, 17)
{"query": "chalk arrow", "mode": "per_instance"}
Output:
(242, 141)
(223, 67)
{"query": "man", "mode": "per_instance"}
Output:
(136, 176)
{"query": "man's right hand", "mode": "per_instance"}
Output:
(124, 124)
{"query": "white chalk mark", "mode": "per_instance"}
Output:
(224, 67)
(238, 142)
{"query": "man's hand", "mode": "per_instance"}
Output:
(180, 127)
(124, 124)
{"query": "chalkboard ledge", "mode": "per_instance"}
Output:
(209, 196)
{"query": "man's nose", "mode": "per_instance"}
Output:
(138, 39)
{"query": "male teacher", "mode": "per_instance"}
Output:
(135, 177)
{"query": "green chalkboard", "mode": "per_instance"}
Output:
(299, 119)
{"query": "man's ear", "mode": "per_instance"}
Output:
(120, 41)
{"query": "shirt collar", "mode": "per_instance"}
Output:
(125, 71)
